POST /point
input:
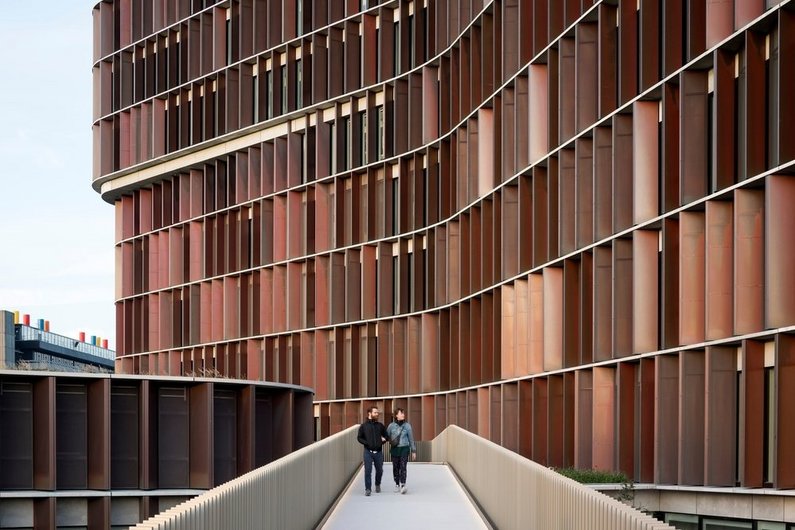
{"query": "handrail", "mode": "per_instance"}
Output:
(515, 492)
(293, 492)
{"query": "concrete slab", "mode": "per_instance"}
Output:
(434, 500)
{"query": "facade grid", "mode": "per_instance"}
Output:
(564, 226)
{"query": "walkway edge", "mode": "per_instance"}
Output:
(336, 502)
(488, 522)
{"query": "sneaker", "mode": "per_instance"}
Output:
(403, 489)
(366, 493)
(378, 488)
(397, 488)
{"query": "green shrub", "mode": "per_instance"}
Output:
(593, 476)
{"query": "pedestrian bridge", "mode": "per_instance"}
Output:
(469, 482)
(434, 499)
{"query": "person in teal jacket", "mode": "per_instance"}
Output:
(401, 438)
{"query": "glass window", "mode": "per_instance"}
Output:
(396, 49)
(299, 85)
(283, 71)
(302, 158)
(770, 424)
(363, 137)
(395, 205)
(379, 134)
(228, 36)
(255, 94)
(299, 17)
(682, 521)
(409, 289)
(395, 284)
(726, 524)
(769, 525)
(269, 84)
(345, 137)
(332, 141)
(712, 180)
(378, 54)
(410, 39)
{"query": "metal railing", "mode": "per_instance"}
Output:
(24, 332)
(514, 492)
(295, 491)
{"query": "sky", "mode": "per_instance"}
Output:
(56, 233)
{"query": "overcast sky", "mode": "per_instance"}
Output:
(56, 234)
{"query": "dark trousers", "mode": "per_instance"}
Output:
(399, 465)
(371, 458)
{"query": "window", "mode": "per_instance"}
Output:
(363, 138)
(348, 208)
(425, 46)
(423, 263)
(345, 142)
(299, 17)
(332, 215)
(332, 141)
(269, 85)
(191, 125)
(409, 290)
(302, 158)
(395, 284)
(299, 86)
(303, 287)
(283, 71)
(250, 240)
(769, 525)
(712, 179)
(202, 133)
(395, 204)
(425, 202)
(379, 134)
(364, 225)
(255, 93)
(771, 98)
(378, 54)
(410, 39)
(682, 521)
(726, 524)
(228, 36)
(396, 49)
(770, 425)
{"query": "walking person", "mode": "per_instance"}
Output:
(372, 435)
(401, 438)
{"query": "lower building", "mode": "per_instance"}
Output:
(103, 450)
(36, 348)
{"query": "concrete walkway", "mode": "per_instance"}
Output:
(434, 500)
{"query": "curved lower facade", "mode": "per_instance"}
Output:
(108, 451)
(565, 226)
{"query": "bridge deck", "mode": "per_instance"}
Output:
(434, 499)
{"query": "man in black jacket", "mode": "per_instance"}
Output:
(372, 435)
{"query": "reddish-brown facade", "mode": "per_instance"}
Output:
(565, 226)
